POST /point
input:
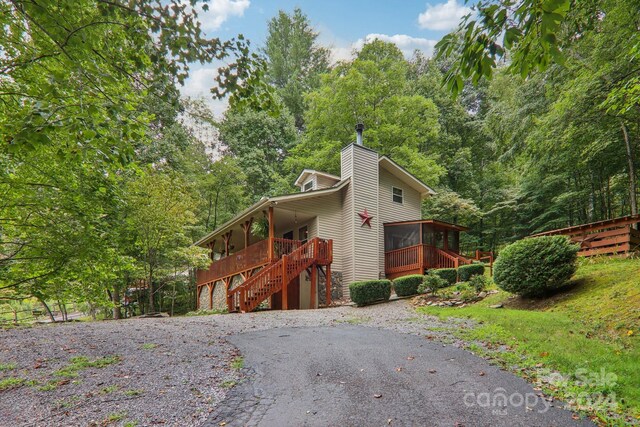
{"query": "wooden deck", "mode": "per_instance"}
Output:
(246, 261)
(610, 237)
(418, 258)
(277, 276)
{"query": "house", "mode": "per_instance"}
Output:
(302, 250)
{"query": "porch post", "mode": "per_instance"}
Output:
(314, 287)
(285, 284)
(446, 240)
(227, 238)
(246, 227)
(212, 246)
(328, 280)
(271, 233)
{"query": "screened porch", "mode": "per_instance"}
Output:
(411, 247)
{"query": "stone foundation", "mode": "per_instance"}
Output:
(203, 298)
(336, 287)
(219, 296)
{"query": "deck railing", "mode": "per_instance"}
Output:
(418, 257)
(247, 296)
(608, 237)
(247, 259)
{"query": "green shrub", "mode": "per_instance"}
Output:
(462, 291)
(448, 274)
(533, 267)
(479, 283)
(466, 272)
(432, 282)
(366, 292)
(407, 285)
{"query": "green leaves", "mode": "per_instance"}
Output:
(529, 33)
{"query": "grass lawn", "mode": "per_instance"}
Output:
(589, 333)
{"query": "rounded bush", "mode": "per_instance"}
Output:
(533, 267)
(448, 274)
(366, 292)
(407, 285)
(466, 272)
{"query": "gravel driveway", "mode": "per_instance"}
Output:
(186, 371)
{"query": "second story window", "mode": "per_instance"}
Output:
(308, 186)
(397, 195)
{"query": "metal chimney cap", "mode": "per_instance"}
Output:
(360, 127)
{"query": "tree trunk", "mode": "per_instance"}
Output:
(173, 298)
(215, 210)
(46, 307)
(632, 170)
(92, 311)
(62, 313)
(150, 308)
(206, 221)
(609, 211)
(117, 313)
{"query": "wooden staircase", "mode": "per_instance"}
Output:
(276, 276)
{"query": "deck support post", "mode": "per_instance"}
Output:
(285, 284)
(314, 284)
(227, 238)
(246, 227)
(328, 285)
(271, 234)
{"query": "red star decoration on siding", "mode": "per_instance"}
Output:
(365, 217)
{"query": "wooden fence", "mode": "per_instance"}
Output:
(610, 237)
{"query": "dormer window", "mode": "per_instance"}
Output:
(308, 186)
(397, 195)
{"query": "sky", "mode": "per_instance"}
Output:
(343, 25)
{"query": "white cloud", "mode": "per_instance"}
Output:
(199, 85)
(219, 11)
(338, 54)
(442, 16)
(405, 43)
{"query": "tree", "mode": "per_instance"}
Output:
(529, 31)
(373, 90)
(565, 109)
(223, 191)
(80, 83)
(294, 60)
(160, 213)
(259, 142)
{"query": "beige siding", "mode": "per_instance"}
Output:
(365, 196)
(346, 168)
(391, 211)
(324, 182)
(326, 223)
(360, 260)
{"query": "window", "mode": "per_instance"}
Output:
(397, 194)
(303, 234)
(308, 186)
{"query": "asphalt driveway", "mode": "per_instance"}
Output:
(346, 375)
